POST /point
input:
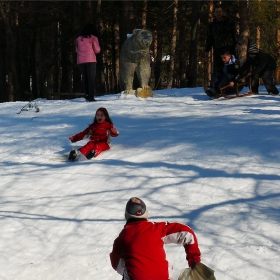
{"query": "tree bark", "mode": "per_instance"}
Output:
(3, 85)
(209, 58)
(182, 49)
(173, 45)
(11, 58)
(195, 29)
(244, 30)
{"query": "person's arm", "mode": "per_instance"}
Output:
(80, 136)
(95, 45)
(181, 234)
(244, 67)
(209, 39)
(114, 132)
(115, 256)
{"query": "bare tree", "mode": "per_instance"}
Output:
(9, 20)
(244, 30)
(195, 30)
(173, 45)
(182, 46)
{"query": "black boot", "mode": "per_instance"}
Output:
(72, 155)
(90, 155)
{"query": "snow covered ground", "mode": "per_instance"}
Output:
(212, 164)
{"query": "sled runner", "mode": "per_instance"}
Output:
(238, 87)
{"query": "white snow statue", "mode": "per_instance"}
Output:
(135, 57)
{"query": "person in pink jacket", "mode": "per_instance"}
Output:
(138, 252)
(87, 46)
(99, 133)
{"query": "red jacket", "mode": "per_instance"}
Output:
(138, 253)
(99, 132)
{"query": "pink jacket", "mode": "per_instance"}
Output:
(86, 49)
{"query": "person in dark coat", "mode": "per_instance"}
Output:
(263, 66)
(221, 35)
(224, 77)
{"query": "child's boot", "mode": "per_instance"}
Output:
(90, 155)
(72, 155)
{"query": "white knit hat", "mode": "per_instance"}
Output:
(253, 49)
(136, 208)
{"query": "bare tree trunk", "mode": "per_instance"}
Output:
(126, 23)
(13, 80)
(66, 58)
(173, 45)
(24, 50)
(244, 30)
(195, 28)
(277, 73)
(56, 53)
(117, 56)
(158, 44)
(77, 79)
(144, 13)
(100, 58)
(33, 66)
(209, 59)
(3, 85)
(182, 45)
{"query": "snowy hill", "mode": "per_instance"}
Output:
(211, 164)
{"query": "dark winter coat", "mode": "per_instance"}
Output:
(221, 35)
(232, 67)
(261, 62)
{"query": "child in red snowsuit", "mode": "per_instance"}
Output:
(99, 133)
(138, 252)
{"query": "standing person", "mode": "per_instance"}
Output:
(221, 35)
(138, 252)
(225, 77)
(87, 46)
(99, 133)
(264, 66)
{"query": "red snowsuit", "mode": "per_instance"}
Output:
(99, 135)
(138, 253)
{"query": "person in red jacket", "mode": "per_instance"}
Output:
(138, 252)
(99, 133)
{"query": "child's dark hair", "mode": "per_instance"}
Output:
(89, 30)
(218, 6)
(226, 52)
(106, 114)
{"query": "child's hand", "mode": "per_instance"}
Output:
(71, 138)
(114, 130)
(231, 84)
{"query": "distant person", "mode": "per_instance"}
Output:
(224, 77)
(221, 35)
(99, 133)
(138, 252)
(87, 46)
(263, 66)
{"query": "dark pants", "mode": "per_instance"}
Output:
(88, 71)
(220, 79)
(267, 77)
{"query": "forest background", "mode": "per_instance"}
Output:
(37, 46)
